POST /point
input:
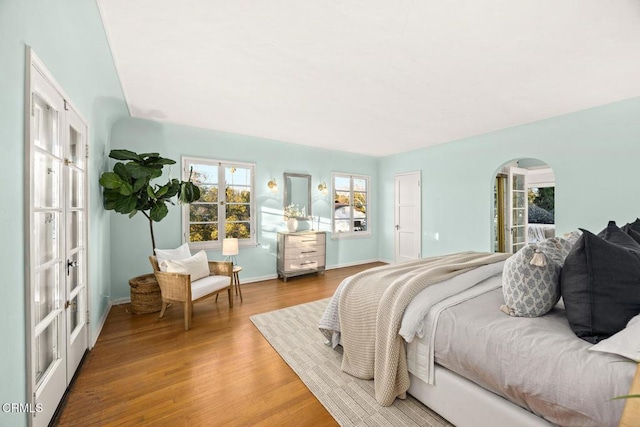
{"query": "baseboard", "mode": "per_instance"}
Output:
(123, 300)
(101, 323)
(351, 264)
(258, 279)
(329, 267)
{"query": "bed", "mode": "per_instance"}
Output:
(476, 366)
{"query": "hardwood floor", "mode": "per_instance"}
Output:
(222, 372)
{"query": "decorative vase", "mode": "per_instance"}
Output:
(292, 224)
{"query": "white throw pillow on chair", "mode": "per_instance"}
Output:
(179, 253)
(197, 266)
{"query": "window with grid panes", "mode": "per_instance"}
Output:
(351, 202)
(226, 207)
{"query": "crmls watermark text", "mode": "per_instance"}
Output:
(29, 408)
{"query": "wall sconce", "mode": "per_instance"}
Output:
(273, 185)
(322, 187)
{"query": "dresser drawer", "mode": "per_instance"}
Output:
(310, 263)
(300, 252)
(304, 240)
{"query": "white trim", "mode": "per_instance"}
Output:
(350, 264)
(258, 279)
(101, 322)
(28, 225)
(39, 65)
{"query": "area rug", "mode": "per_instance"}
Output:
(293, 333)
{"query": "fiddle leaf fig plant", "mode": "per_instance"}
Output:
(129, 188)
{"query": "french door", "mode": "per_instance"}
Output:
(517, 218)
(56, 239)
(408, 240)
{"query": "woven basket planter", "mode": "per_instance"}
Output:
(145, 294)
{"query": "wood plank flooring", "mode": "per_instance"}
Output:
(222, 372)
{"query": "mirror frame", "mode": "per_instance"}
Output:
(287, 190)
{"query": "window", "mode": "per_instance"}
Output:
(351, 202)
(220, 214)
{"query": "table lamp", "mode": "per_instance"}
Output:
(230, 249)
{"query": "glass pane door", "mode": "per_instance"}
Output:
(76, 235)
(48, 370)
(56, 239)
(518, 203)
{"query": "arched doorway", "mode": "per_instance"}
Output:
(523, 204)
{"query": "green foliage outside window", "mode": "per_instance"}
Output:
(204, 214)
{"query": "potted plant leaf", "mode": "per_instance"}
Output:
(129, 189)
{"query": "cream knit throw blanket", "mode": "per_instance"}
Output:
(371, 310)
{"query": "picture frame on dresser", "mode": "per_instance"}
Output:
(301, 252)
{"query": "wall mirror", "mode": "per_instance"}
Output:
(297, 192)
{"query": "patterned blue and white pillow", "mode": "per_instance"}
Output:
(531, 278)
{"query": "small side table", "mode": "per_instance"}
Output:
(236, 280)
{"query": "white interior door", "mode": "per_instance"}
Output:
(408, 242)
(56, 238)
(518, 214)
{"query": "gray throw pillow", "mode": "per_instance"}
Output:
(531, 279)
(573, 236)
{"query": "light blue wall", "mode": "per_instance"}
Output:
(131, 242)
(594, 155)
(69, 38)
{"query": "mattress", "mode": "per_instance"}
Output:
(537, 363)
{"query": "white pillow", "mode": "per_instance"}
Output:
(197, 266)
(179, 253)
(625, 343)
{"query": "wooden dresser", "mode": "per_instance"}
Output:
(301, 253)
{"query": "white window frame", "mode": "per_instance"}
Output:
(351, 234)
(221, 164)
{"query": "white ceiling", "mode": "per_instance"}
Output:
(371, 76)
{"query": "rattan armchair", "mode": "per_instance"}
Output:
(178, 288)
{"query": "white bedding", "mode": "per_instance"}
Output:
(421, 316)
(539, 364)
(536, 363)
(421, 351)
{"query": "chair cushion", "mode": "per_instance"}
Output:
(179, 253)
(206, 285)
(197, 266)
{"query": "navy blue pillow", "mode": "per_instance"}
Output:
(600, 283)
